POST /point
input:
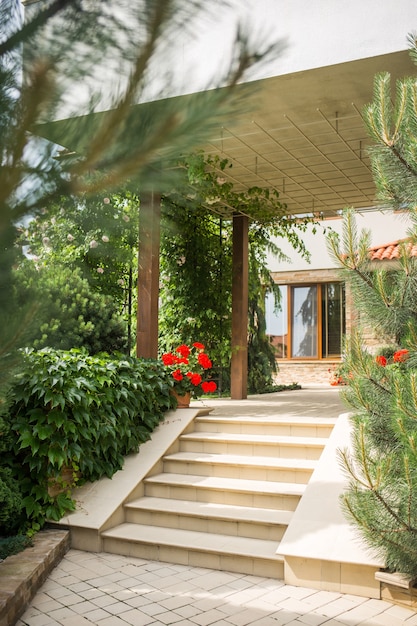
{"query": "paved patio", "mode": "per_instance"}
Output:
(110, 590)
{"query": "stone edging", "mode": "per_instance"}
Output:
(21, 575)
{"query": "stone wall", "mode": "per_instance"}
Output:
(305, 372)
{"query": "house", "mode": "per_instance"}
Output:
(316, 311)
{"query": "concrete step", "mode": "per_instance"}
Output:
(253, 445)
(294, 426)
(240, 466)
(199, 549)
(257, 493)
(209, 517)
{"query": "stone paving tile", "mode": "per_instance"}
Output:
(88, 589)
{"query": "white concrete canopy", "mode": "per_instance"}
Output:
(301, 134)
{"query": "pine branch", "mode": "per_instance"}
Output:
(30, 27)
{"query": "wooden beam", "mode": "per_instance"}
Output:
(148, 276)
(240, 277)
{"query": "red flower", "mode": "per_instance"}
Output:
(195, 379)
(183, 350)
(177, 375)
(204, 360)
(169, 358)
(188, 366)
(209, 386)
(381, 360)
(400, 356)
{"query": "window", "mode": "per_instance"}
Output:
(310, 323)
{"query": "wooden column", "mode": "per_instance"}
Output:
(240, 277)
(148, 276)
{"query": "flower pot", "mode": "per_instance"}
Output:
(183, 401)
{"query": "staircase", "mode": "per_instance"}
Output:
(223, 494)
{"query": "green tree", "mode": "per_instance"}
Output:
(382, 465)
(97, 235)
(70, 313)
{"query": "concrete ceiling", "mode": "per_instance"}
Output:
(304, 136)
(301, 134)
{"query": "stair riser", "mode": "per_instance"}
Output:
(265, 429)
(250, 449)
(238, 471)
(254, 530)
(172, 554)
(183, 492)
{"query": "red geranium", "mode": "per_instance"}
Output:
(381, 360)
(177, 375)
(189, 368)
(169, 358)
(204, 361)
(183, 350)
(400, 356)
(209, 386)
(195, 379)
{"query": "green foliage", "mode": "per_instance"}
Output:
(382, 465)
(10, 502)
(97, 235)
(196, 265)
(70, 314)
(386, 298)
(11, 496)
(70, 409)
(14, 545)
(381, 499)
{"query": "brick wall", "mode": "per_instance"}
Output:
(305, 372)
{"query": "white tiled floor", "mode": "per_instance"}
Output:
(110, 590)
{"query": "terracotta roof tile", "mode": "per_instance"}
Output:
(391, 251)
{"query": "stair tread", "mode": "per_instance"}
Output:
(254, 439)
(193, 540)
(212, 510)
(278, 420)
(234, 484)
(236, 459)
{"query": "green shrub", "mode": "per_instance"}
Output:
(71, 409)
(10, 502)
(10, 493)
(70, 313)
(14, 545)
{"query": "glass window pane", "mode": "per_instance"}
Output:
(277, 322)
(304, 321)
(333, 315)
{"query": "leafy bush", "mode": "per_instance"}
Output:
(14, 545)
(70, 314)
(86, 413)
(10, 494)
(10, 502)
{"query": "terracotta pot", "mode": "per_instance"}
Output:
(183, 401)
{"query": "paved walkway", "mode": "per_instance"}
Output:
(111, 590)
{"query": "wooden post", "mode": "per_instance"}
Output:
(240, 277)
(148, 276)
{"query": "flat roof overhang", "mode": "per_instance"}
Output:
(301, 134)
